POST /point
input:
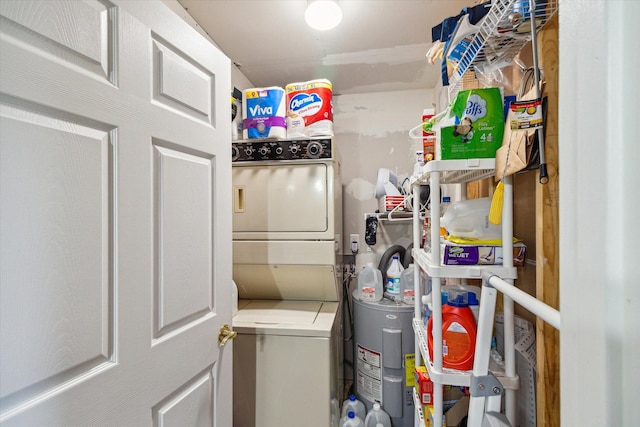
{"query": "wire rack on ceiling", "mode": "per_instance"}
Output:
(503, 32)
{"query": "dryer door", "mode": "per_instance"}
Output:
(283, 202)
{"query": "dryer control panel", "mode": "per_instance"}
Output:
(285, 149)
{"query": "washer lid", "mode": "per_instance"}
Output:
(275, 317)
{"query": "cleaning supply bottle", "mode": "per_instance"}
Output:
(351, 420)
(393, 275)
(370, 284)
(474, 305)
(407, 290)
(377, 417)
(458, 334)
(352, 404)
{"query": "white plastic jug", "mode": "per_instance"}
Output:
(370, 284)
(377, 417)
(393, 276)
(407, 290)
(352, 404)
(470, 218)
(350, 420)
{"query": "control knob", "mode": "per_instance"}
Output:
(235, 153)
(264, 150)
(279, 150)
(314, 149)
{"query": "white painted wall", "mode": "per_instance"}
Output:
(372, 132)
(599, 152)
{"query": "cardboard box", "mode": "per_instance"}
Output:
(424, 385)
(428, 138)
(454, 416)
(455, 405)
(455, 254)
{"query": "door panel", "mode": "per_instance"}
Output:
(189, 405)
(87, 44)
(184, 249)
(115, 261)
(56, 246)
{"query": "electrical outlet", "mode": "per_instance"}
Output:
(354, 241)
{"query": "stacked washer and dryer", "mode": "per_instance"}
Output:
(287, 221)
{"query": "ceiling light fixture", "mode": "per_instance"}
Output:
(323, 14)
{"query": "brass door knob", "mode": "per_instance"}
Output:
(225, 335)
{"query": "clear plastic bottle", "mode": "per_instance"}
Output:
(352, 404)
(393, 276)
(351, 420)
(370, 284)
(377, 417)
(407, 290)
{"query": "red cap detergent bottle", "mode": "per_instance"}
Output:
(458, 334)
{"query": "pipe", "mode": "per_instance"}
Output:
(534, 305)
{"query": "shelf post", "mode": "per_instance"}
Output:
(417, 238)
(488, 297)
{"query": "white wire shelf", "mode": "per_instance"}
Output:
(436, 269)
(455, 377)
(418, 405)
(457, 171)
(503, 32)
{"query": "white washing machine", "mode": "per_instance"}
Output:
(286, 360)
(286, 234)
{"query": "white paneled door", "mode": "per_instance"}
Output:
(115, 220)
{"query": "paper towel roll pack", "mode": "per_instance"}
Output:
(309, 109)
(264, 111)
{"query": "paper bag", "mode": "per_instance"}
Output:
(516, 151)
(519, 147)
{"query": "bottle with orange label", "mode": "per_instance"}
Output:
(458, 333)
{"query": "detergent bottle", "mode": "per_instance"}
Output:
(458, 333)
(393, 276)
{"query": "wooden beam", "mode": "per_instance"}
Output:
(547, 256)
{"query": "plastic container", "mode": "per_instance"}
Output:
(407, 290)
(370, 287)
(458, 334)
(393, 276)
(377, 417)
(352, 404)
(351, 420)
(470, 218)
(474, 305)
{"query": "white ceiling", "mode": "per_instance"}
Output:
(380, 45)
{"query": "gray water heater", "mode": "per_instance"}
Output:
(383, 350)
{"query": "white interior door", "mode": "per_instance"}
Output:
(115, 222)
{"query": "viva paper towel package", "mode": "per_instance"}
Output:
(309, 109)
(264, 112)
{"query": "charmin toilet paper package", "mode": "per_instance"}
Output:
(264, 112)
(309, 109)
